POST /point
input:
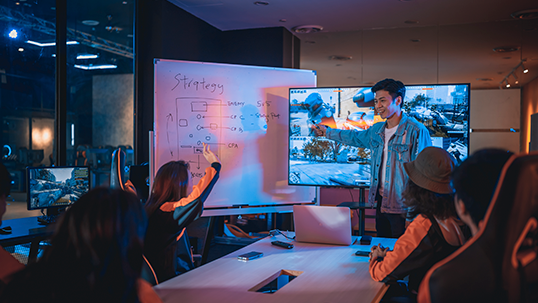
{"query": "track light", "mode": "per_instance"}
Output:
(516, 80)
(506, 80)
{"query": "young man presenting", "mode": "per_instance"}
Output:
(394, 142)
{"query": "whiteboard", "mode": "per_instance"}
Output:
(242, 113)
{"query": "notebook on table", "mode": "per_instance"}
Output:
(322, 224)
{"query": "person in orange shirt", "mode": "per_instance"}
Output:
(434, 232)
(171, 207)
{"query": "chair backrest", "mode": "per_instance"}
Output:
(117, 169)
(500, 263)
(148, 273)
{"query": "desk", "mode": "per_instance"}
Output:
(329, 274)
(26, 230)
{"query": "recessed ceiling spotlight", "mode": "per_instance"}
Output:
(506, 49)
(340, 58)
(90, 22)
(261, 3)
(484, 79)
(415, 40)
(411, 22)
(526, 14)
(307, 29)
(310, 42)
(507, 58)
(282, 20)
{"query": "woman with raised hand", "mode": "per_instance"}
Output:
(172, 205)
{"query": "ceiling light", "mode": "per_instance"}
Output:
(21, 49)
(411, 22)
(307, 29)
(484, 79)
(13, 34)
(87, 56)
(506, 49)
(92, 67)
(90, 22)
(525, 70)
(49, 43)
(507, 84)
(261, 3)
(526, 14)
(340, 58)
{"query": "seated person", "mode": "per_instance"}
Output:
(171, 208)
(475, 181)
(95, 255)
(433, 234)
(9, 264)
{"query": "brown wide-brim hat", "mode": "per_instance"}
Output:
(431, 170)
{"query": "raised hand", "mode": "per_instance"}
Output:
(209, 155)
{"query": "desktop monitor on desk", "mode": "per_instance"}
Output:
(56, 187)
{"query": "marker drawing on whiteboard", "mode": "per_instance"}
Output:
(169, 118)
(198, 85)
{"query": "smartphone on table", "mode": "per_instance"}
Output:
(250, 256)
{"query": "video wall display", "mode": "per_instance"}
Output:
(317, 161)
(50, 187)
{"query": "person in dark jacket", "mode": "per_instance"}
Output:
(95, 255)
(170, 208)
(435, 231)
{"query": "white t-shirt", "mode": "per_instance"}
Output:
(389, 132)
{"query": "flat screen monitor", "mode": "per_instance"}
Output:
(53, 187)
(316, 161)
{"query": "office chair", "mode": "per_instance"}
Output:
(500, 263)
(148, 273)
(117, 169)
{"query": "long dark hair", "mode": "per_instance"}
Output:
(427, 202)
(94, 255)
(170, 184)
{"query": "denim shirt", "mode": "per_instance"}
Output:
(408, 141)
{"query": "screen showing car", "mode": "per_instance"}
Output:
(317, 161)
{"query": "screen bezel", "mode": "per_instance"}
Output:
(367, 185)
(28, 193)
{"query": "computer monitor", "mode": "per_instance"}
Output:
(317, 161)
(56, 187)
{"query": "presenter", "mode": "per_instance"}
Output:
(397, 140)
(172, 205)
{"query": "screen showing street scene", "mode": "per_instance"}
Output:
(56, 186)
(317, 161)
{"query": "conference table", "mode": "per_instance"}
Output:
(323, 273)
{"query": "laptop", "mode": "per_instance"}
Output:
(322, 224)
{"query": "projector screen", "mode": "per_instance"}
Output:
(317, 161)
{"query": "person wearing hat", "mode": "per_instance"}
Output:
(435, 231)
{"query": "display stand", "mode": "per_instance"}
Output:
(361, 206)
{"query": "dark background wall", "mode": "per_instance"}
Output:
(165, 31)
